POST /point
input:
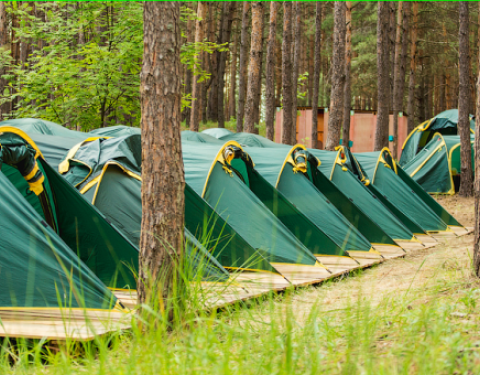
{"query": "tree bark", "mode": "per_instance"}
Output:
(270, 73)
(161, 242)
(476, 238)
(4, 45)
(466, 183)
(212, 104)
(287, 71)
(413, 66)
(188, 73)
(316, 73)
(233, 78)
(383, 77)
(297, 57)
(197, 87)
(337, 95)
(348, 90)
(242, 81)
(441, 94)
(399, 71)
(254, 75)
(228, 13)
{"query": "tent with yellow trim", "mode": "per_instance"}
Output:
(398, 190)
(39, 265)
(84, 229)
(436, 168)
(293, 172)
(444, 123)
(107, 172)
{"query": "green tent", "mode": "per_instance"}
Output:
(107, 172)
(396, 188)
(293, 171)
(37, 126)
(217, 132)
(341, 169)
(115, 131)
(39, 270)
(436, 168)
(251, 140)
(188, 135)
(444, 123)
(84, 229)
(223, 177)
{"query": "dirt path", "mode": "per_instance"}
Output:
(418, 274)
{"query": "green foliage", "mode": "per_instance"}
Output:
(90, 84)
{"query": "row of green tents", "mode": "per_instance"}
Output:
(431, 153)
(72, 202)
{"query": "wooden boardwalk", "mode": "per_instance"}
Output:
(78, 324)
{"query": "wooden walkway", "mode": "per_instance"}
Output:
(77, 324)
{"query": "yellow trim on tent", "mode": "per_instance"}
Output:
(381, 159)
(431, 154)
(97, 180)
(289, 160)
(221, 160)
(449, 156)
(25, 137)
(316, 265)
(116, 307)
(64, 166)
(251, 269)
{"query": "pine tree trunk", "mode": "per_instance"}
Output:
(227, 16)
(476, 238)
(212, 104)
(348, 90)
(383, 76)
(254, 75)
(316, 73)
(297, 55)
(311, 66)
(258, 102)
(391, 49)
(278, 72)
(242, 81)
(441, 94)
(337, 95)
(161, 242)
(188, 73)
(413, 66)
(233, 78)
(399, 79)
(270, 73)
(4, 45)
(197, 87)
(466, 183)
(287, 71)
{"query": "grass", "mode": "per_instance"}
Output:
(418, 315)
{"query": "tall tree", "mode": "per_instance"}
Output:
(466, 183)
(383, 76)
(212, 101)
(197, 87)
(399, 70)
(348, 90)
(242, 79)
(287, 70)
(163, 206)
(270, 72)
(228, 14)
(297, 56)
(188, 72)
(254, 76)
(476, 238)
(233, 77)
(413, 66)
(4, 46)
(337, 95)
(316, 73)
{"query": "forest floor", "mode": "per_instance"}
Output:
(415, 315)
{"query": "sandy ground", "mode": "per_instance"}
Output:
(420, 272)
